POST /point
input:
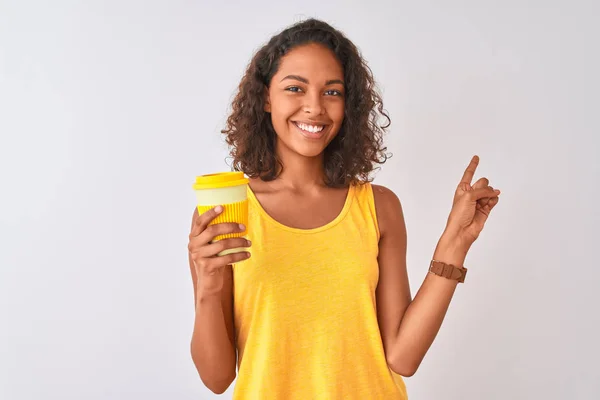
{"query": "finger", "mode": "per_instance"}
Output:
(493, 197)
(223, 228)
(215, 248)
(470, 171)
(217, 262)
(481, 215)
(484, 200)
(229, 259)
(492, 203)
(204, 219)
(477, 194)
(481, 183)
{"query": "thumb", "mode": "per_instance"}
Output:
(480, 193)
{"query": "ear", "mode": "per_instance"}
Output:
(267, 100)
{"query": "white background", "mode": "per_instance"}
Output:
(108, 110)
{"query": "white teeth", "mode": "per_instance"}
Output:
(310, 128)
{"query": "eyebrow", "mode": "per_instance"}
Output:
(304, 80)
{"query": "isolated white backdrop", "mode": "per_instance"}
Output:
(108, 110)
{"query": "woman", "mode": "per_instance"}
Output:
(322, 308)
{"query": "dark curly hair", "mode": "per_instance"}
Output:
(351, 156)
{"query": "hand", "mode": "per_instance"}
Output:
(471, 208)
(209, 266)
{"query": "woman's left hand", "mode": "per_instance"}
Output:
(471, 208)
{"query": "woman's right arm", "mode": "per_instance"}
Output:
(212, 346)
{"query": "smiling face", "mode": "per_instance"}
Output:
(306, 100)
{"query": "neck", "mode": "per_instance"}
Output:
(299, 172)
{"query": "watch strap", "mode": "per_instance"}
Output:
(448, 271)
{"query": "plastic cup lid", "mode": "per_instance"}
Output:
(220, 180)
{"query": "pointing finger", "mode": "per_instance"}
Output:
(470, 171)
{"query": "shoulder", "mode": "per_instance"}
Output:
(386, 200)
(388, 208)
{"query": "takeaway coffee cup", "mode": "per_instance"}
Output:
(228, 189)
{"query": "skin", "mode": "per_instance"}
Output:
(308, 87)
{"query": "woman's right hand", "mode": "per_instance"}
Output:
(209, 266)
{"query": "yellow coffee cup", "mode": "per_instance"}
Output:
(228, 189)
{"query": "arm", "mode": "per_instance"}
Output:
(408, 328)
(212, 345)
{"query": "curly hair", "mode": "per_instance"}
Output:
(351, 156)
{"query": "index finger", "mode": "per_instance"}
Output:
(201, 221)
(470, 171)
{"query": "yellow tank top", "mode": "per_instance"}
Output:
(304, 309)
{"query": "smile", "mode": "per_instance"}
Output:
(309, 128)
(313, 131)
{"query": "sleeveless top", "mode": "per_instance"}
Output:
(305, 314)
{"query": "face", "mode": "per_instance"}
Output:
(306, 100)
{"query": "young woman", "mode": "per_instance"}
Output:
(322, 308)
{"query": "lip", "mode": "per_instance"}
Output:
(312, 122)
(311, 135)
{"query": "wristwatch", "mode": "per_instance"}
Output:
(448, 271)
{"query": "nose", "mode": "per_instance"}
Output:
(313, 104)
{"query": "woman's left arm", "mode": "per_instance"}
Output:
(407, 327)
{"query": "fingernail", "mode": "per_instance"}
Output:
(248, 242)
(218, 209)
(242, 227)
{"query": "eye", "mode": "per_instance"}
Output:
(333, 92)
(294, 89)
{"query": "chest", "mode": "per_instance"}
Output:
(290, 268)
(304, 211)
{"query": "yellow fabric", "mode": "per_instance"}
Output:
(304, 309)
